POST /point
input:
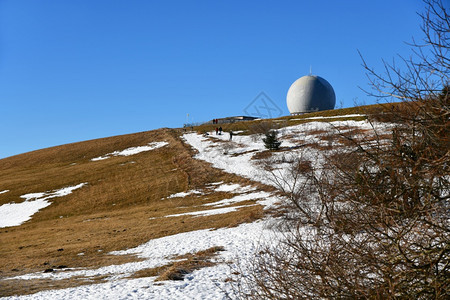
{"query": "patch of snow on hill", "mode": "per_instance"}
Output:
(14, 214)
(241, 198)
(5, 191)
(227, 187)
(211, 151)
(132, 150)
(210, 212)
(234, 187)
(221, 187)
(31, 196)
(184, 194)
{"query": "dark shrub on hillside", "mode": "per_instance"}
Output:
(271, 141)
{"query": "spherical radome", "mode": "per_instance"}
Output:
(310, 93)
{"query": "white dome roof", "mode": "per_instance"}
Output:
(310, 93)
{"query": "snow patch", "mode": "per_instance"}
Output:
(132, 150)
(234, 188)
(210, 212)
(228, 187)
(218, 187)
(215, 183)
(240, 198)
(5, 191)
(15, 214)
(184, 194)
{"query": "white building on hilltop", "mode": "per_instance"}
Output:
(310, 93)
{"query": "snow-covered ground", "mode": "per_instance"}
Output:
(207, 283)
(236, 156)
(240, 243)
(14, 214)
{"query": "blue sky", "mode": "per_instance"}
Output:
(79, 70)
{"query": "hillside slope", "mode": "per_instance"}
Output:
(127, 190)
(112, 211)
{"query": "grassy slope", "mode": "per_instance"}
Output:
(113, 211)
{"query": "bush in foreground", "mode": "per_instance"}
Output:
(372, 222)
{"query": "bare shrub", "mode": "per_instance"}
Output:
(372, 221)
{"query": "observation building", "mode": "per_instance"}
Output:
(310, 93)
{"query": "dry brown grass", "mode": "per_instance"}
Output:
(9, 287)
(182, 265)
(113, 212)
(189, 263)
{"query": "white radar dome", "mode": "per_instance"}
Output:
(310, 93)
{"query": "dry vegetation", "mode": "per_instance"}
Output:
(182, 265)
(372, 222)
(23, 287)
(188, 263)
(116, 210)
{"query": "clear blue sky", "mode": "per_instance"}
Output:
(78, 70)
